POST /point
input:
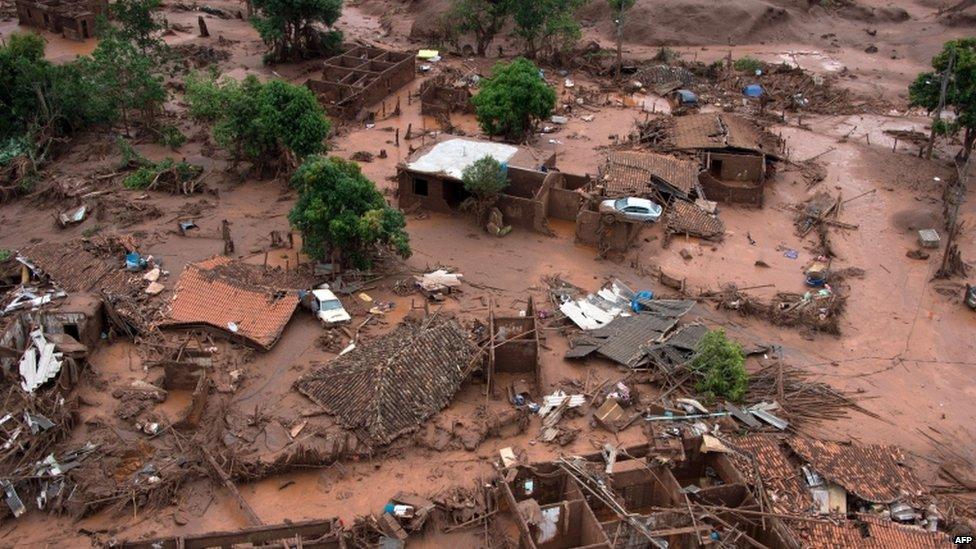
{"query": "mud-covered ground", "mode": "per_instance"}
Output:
(906, 341)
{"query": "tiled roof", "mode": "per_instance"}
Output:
(205, 295)
(722, 131)
(782, 480)
(75, 268)
(688, 336)
(626, 337)
(865, 532)
(871, 472)
(388, 386)
(629, 173)
(686, 218)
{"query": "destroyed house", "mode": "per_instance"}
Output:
(829, 477)
(72, 19)
(96, 269)
(233, 299)
(360, 77)
(431, 179)
(630, 173)
(630, 500)
(736, 154)
(386, 387)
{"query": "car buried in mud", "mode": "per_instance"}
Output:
(326, 306)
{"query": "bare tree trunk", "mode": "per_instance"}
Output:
(620, 41)
(942, 100)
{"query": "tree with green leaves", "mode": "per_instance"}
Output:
(960, 91)
(290, 27)
(484, 179)
(342, 215)
(548, 25)
(720, 366)
(264, 123)
(513, 99)
(619, 8)
(136, 23)
(482, 18)
(124, 79)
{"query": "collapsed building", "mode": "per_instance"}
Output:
(360, 77)
(235, 299)
(736, 153)
(72, 19)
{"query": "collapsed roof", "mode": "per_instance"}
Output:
(631, 173)
(723, 131)
(867, 532)
(226, 295)
(386, 387)
(872, 472)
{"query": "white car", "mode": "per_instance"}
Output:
(327, 307)
(632, 209)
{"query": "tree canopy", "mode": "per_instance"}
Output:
(136, 23)
(513, 99)
(720, 364)
(482, 18)
(549, 25)
(339, 210)
(260, 122)
(960, 90)
(484, 178)
(289, 27)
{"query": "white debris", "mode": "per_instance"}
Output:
(439, 280)
(550, 402)
(40, 363)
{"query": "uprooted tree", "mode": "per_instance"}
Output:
(292, 28)
(513, 99)
(342, 215)
(274, 124)
(720, 366)
(485, 178)
(957, 60)
(482, 18)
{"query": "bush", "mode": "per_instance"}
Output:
(720, 364)
(513, 99)
(747, 64)
(484, 178)
(145, 176)
(170, 136)
(666, 55)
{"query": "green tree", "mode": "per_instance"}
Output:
(960, 90)
(482, 18)
(124, 80)
(620, 8)
(136, 23)
(340, 211)
(513, 99)
(484, 179)
(260, 122)
(289, 27)
(547, 24)
(720, 365)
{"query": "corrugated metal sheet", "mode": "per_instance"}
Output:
(389, 385)
(871, 472)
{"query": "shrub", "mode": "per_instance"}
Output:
(747, 64)
(720, 365)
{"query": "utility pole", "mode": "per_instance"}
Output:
(620, 38)
(942, 100)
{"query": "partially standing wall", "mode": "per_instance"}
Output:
(361, 77)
